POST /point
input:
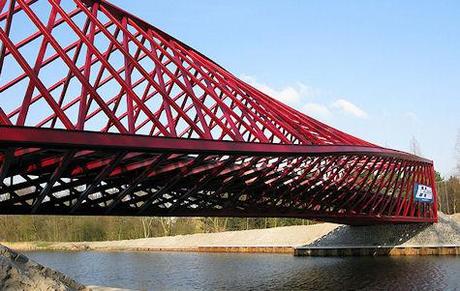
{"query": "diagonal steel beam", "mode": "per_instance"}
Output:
(66, 159)
(201, 183)
(172, 182)
(133, 184)
(101, 176)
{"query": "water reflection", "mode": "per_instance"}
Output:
(185, 271)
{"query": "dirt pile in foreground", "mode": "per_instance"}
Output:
(17, 272)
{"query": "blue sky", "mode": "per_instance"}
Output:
(385, 71)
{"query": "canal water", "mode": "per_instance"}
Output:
(210, 271)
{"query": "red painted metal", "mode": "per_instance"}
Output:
(102, 113)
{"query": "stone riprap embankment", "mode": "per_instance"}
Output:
(442, 238)
(17, 272)
(445, 232)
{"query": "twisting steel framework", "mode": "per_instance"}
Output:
(103, 114)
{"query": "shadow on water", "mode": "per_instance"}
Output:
(370, 273)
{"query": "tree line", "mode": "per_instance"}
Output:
(448, 195)
(87, 228)
(448, 189)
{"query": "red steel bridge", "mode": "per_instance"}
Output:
(102, 113)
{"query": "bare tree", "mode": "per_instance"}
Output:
(147, 225)
(218, 224)
(414, 146)
(166, 224)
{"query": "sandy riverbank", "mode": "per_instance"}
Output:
(280, 236)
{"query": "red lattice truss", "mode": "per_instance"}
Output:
(103, 114)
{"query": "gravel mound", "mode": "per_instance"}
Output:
(445, 232)
(278, 236)
(17, 272)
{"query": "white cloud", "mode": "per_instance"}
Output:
(299, 96)
(307, 91)
(289, 94)
(317, 110)
(349, 108)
